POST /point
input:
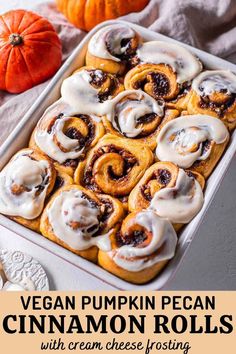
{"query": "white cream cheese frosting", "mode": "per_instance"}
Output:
(46, 142)
(29, 174)
(178, 139)
(106, 43)
(180, 203)
(211, 81)
(183, 62)
(164, 240)
(75, 220)
(128, 106)
(83, 98)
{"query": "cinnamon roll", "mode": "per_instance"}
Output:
(114, 166)
(107, 84)
(25, 183)
(80, 221)
(112, 47)
(62, 179)
(65, 137)
(196, 141)
(88, 91)
(170, 191)
(164, 71)
(141, 249)
(214, 93)
(136, 115)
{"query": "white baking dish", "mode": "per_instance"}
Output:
(19, 139)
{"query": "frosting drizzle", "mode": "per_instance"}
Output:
(181, 140)
(23, 186)
(180, 203)
(63, 148)
(107, 42)
(128, 107)
(211, 81)
(75, 220)
(162, 245)
(184, 63)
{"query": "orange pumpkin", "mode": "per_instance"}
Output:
(30, 50)
(86, 14)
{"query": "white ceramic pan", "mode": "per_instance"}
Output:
(19, 139)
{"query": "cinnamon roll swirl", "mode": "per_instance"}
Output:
(171, 192)
(214, 93)
(141, 249)
(88, 91)
(164, 70)
(80, 221)
(65, 137)
(112, 47)
(25, 183)
(196, 141)
(114, 166)
(107, 84)
(136, 115)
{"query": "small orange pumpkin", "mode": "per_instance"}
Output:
(30, 50)
(86, 14)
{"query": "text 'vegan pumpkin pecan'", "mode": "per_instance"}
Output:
(30, 50)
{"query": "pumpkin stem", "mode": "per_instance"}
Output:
(15, 39)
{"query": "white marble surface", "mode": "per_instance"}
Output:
(210, 263)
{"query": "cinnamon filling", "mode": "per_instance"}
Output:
(190, 174)
(128, 44)
(97, 79)
(219, 108)
(107, 210)
(206, 145)
(162, 176)
(183, 91)
(71, 163)
(109, 92)
(161, 84)
(58, 183)
(73, 133)
(129, 162)
(41, 187)
(147, 118)
(135, 239)
(84, 141)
